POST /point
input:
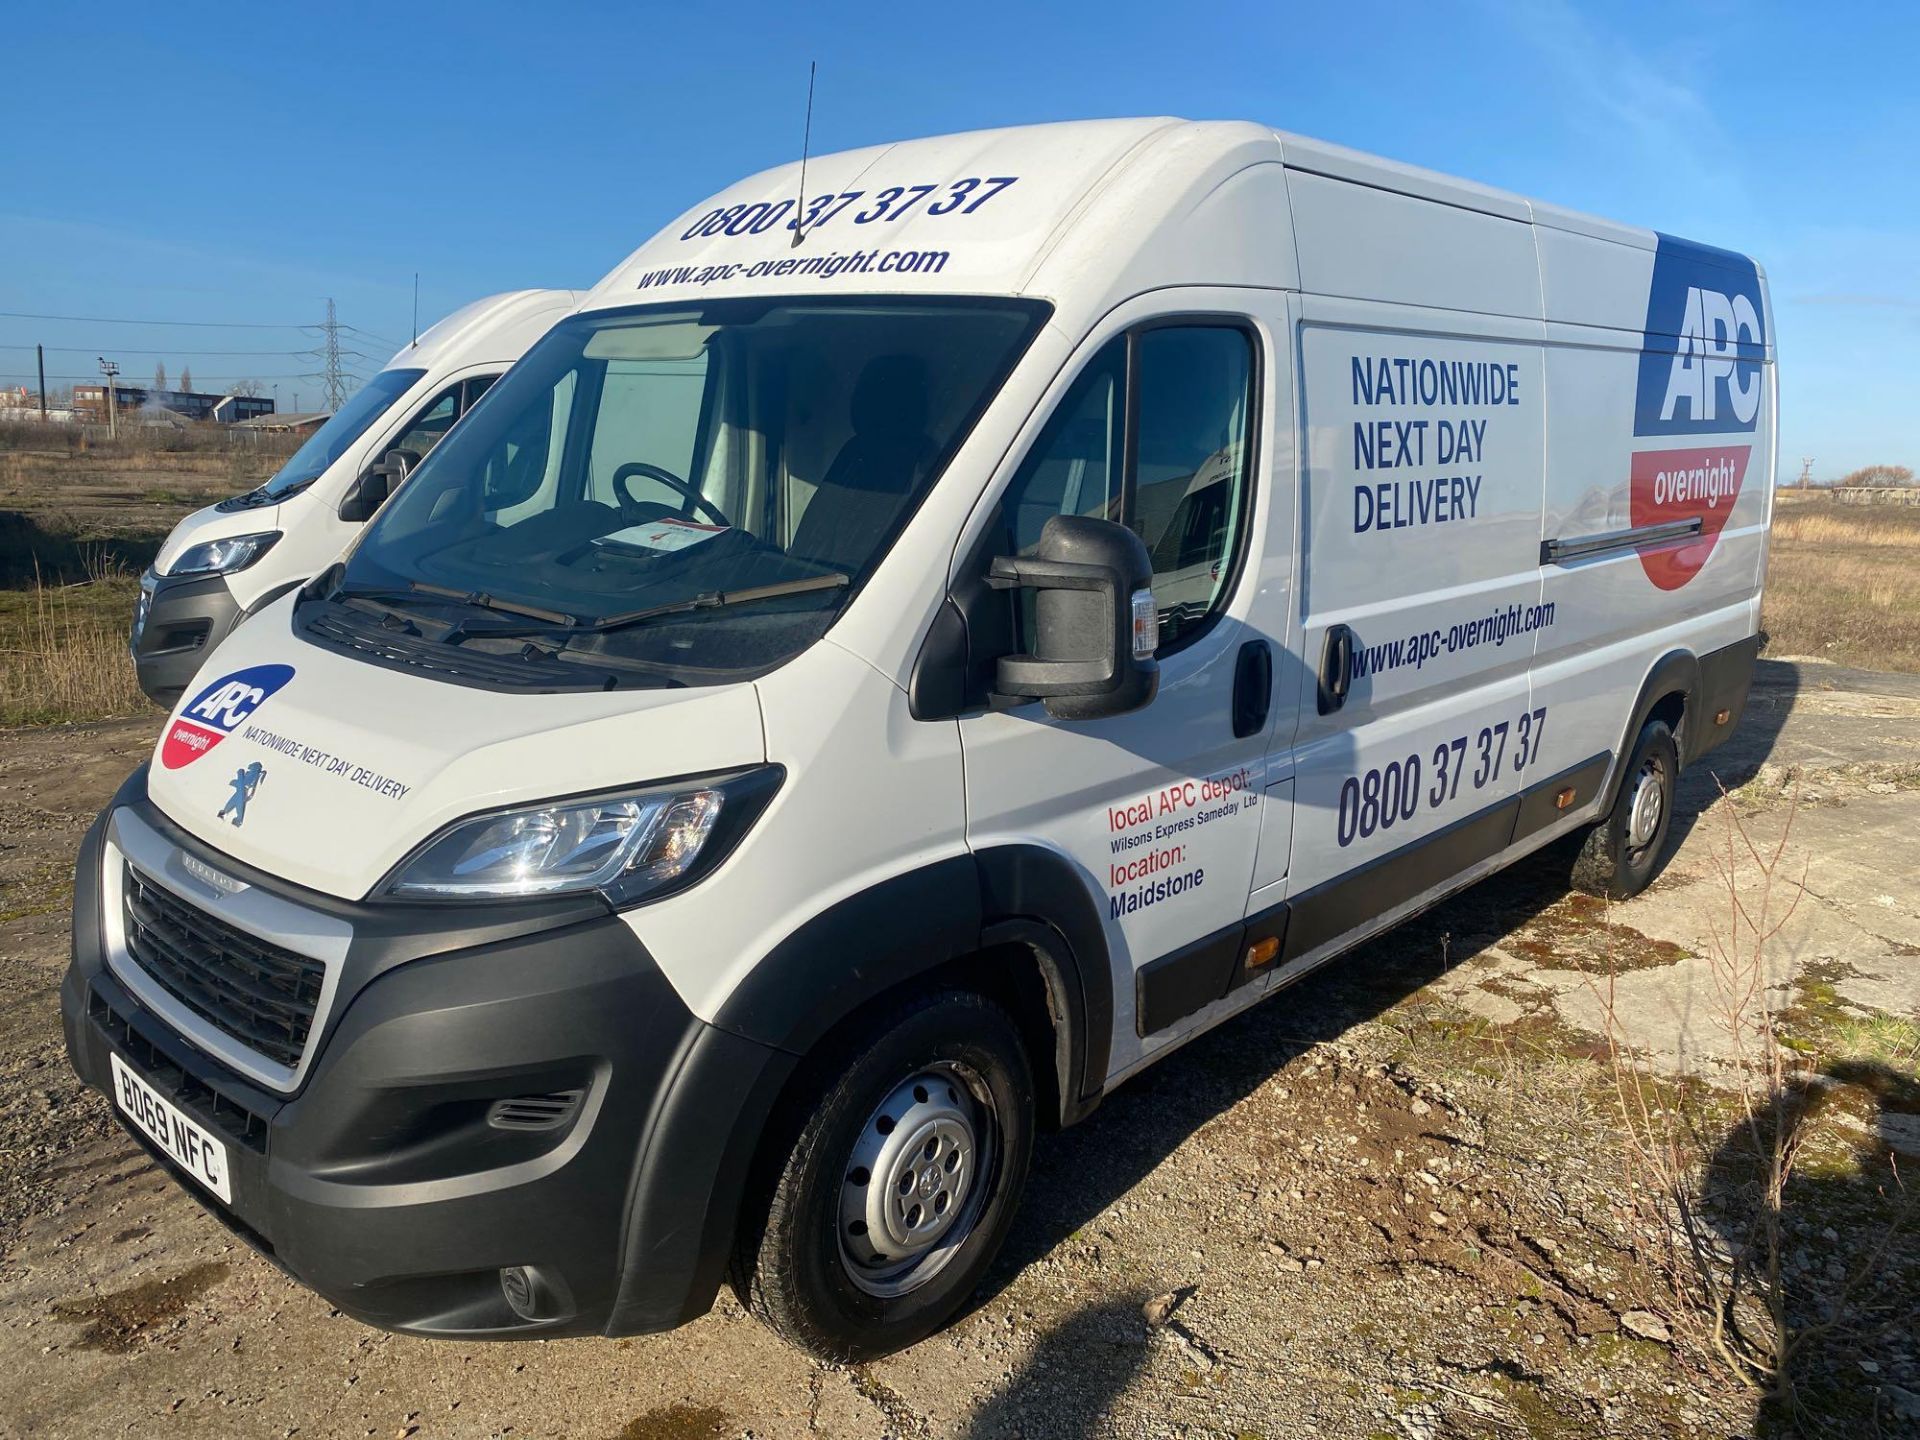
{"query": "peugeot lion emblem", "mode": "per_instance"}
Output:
(244, 783)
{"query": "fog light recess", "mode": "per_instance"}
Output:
(530, 1294)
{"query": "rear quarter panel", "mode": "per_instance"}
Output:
(1663, 412)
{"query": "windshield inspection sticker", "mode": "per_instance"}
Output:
(663, 536)
(218, 710)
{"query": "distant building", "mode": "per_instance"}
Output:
(233, 409)
(300, 423)
(90, 404)
(17, 402)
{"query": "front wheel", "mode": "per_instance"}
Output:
(900, 1183)
(1622, 853)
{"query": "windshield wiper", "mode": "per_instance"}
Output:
(485, 601)
(716, 600)
(572, 628)
(479, 600)
(563, 626)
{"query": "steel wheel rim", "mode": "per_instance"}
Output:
(1648, 808)
(918, 1179)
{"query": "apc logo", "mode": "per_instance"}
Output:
(1700, 372)
(217, 711)
(1700, 376)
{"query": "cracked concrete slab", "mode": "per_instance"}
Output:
(1491, 1005)
(1675, 1016)
(1844, 896)
(1891, 987)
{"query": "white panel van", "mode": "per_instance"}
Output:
(222, 563)
(903, 656)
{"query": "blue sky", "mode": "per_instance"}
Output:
(276, 155)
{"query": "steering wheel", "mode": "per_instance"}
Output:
(695, 500)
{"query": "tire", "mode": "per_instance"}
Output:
(1621, 855)
(947, 1067)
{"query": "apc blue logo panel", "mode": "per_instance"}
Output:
(1700, 372)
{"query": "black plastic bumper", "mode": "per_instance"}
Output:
(384, 1184)
(179, 623)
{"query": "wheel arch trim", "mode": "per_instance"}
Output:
(733, 1071)
(1675, 673)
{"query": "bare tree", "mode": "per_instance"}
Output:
(244, 387)
(160, 378)
(1877, 476)
(186, 377)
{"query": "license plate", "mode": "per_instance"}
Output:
(189, 1146)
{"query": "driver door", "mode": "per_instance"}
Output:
(1162, 423)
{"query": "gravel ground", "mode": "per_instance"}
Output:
(1387, 1203)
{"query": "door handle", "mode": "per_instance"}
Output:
(1252, 688)
(1336, 668)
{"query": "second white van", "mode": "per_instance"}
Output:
(839, 709)
(222, 563)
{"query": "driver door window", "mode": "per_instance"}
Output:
(1155, 433)
(430, 425)
(521, 474)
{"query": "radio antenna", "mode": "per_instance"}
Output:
(416, 307)
(806, 144)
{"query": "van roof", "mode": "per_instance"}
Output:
(496, 328)
(1115, 206)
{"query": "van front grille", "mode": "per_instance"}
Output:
(260, 994)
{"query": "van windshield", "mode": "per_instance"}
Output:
(698, 489)
(348, 424)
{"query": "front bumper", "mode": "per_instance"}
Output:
(384, 1181)
(176, 627)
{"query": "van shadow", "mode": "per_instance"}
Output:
(1080, 1172)
(1068, 1384)
(1835, 1249)
(1776, 686)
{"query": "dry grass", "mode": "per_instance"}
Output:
(1843, 584)
(1824, 522)
(80, 517)
(134, 442)
(63, 651)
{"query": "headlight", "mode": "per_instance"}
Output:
(222, 557)
(628, 846)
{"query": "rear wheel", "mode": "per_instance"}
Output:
(893, 1185)
(1622, 854)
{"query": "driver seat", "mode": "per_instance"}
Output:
(860, 498)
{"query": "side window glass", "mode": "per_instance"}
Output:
(1191, 402)
(476, 387)
(649, 414)
(1074, 467)
(1195, 388)
(519, 479)
(424, 431)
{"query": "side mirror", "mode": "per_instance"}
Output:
(1095, 623)
(375, 484)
